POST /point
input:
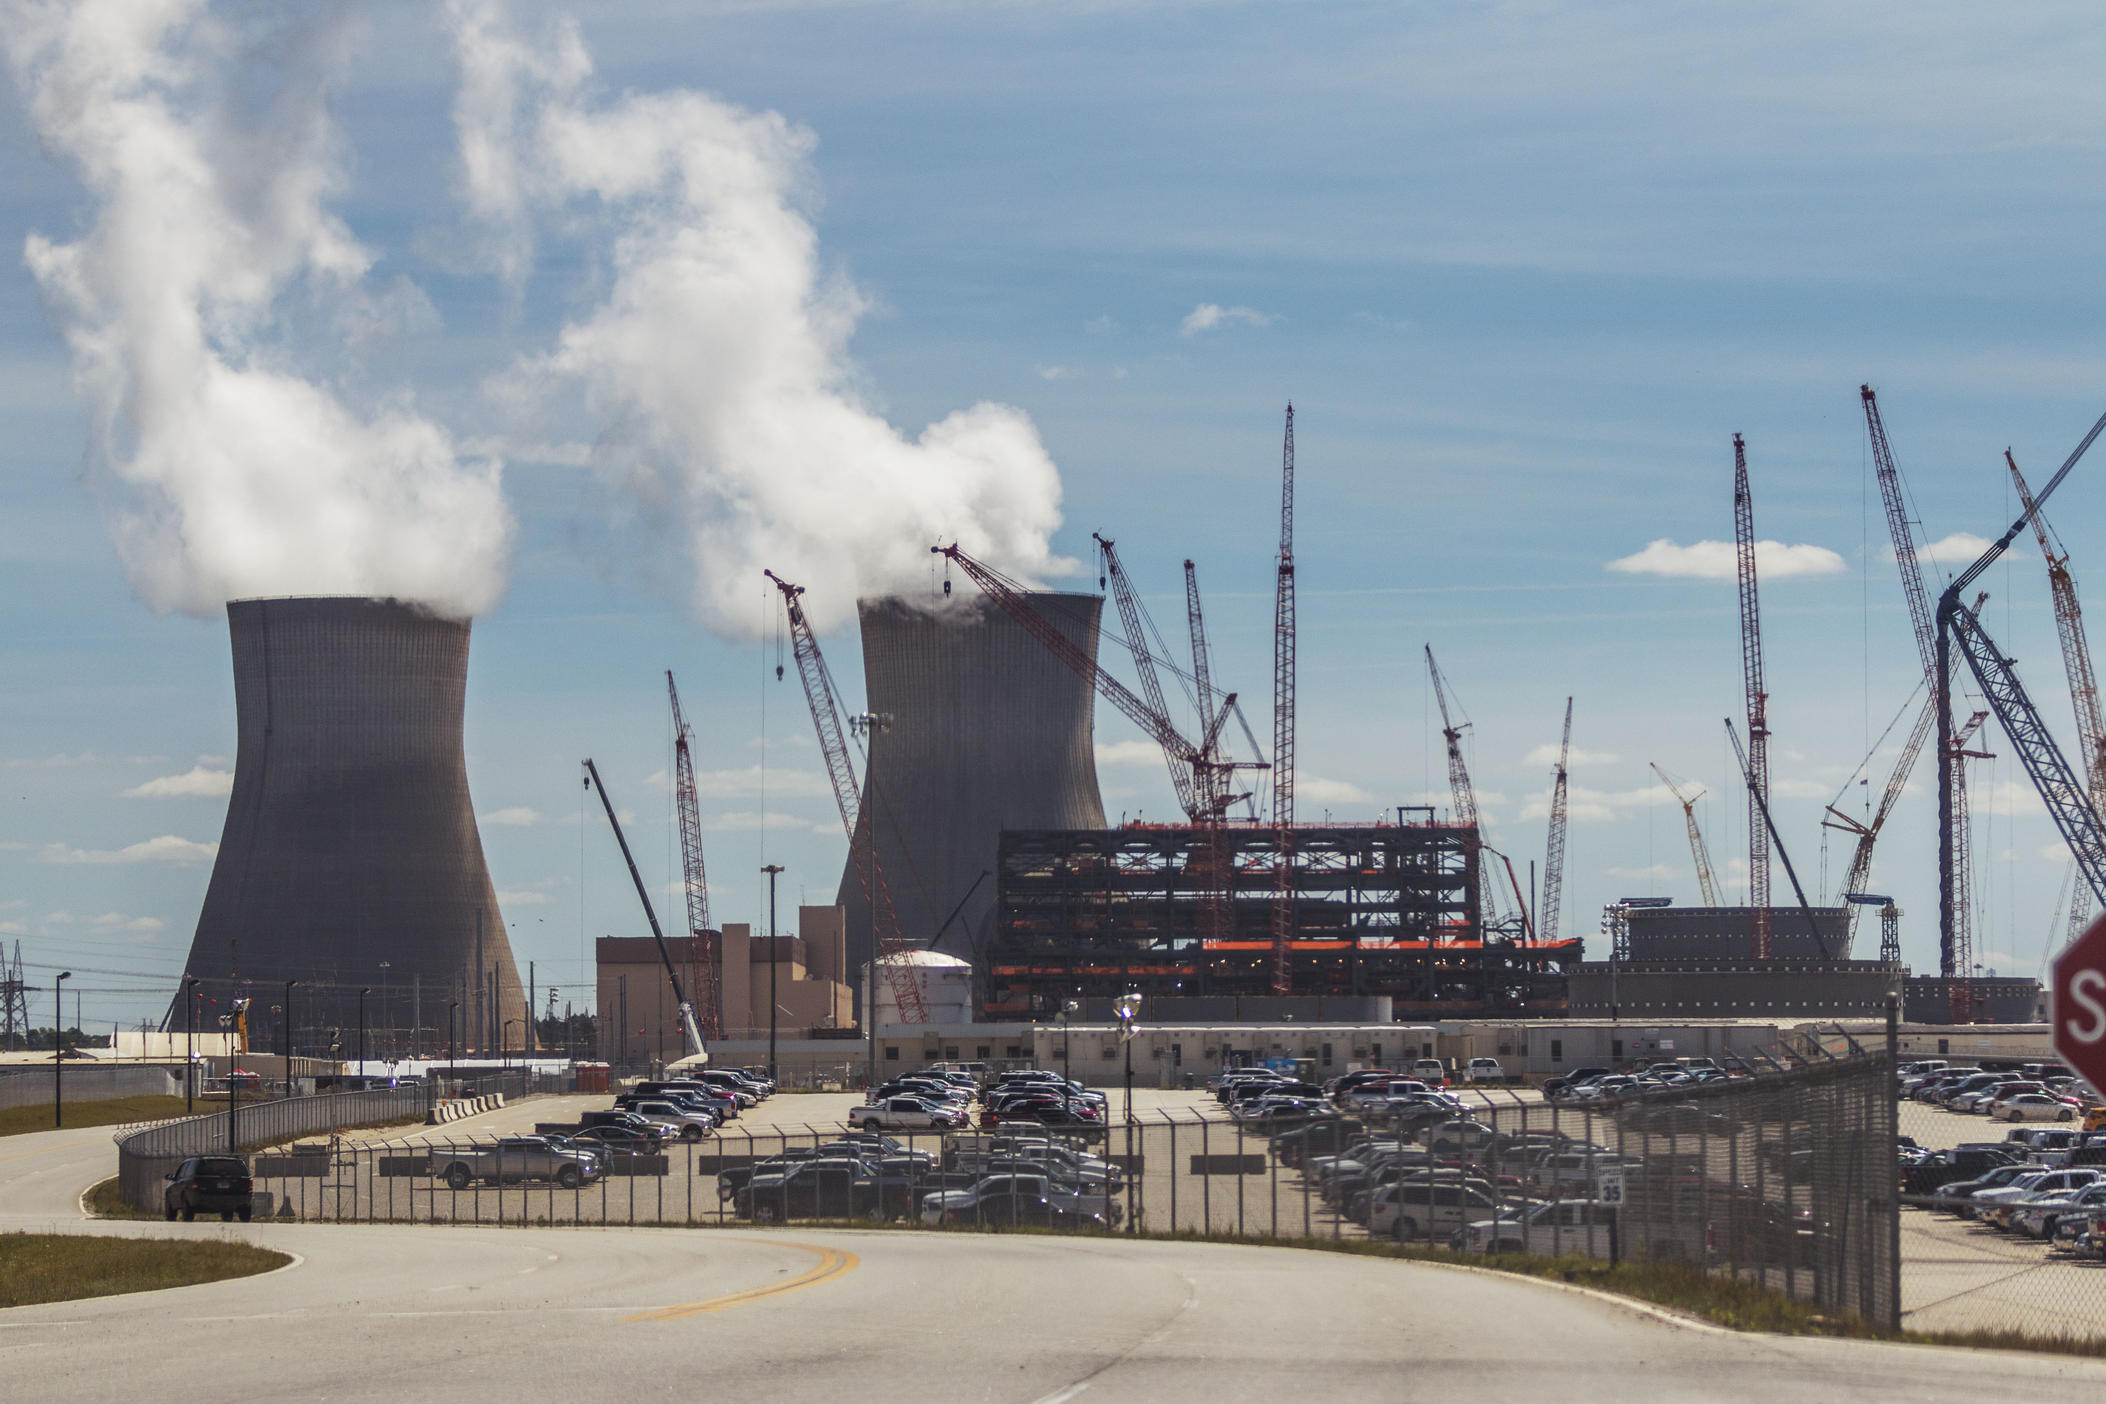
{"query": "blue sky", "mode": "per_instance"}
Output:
(1524, 270)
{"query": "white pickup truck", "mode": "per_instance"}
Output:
(907, 1114)
(1581, 1228)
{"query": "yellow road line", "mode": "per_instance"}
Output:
(833, 1262)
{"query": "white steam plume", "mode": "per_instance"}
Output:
(717, 361)
(233, 472)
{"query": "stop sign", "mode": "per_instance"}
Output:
(2079, 1010)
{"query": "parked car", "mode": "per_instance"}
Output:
(2034, 1106)
(515, 1158)
(909, 1113)
(1411, 1207)
(1017, 1199)
(1484, 1070)
(211, 1184)
(2040, 1215)
(811, 1189)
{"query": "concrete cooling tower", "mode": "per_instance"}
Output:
(981, 729)
(350, 855)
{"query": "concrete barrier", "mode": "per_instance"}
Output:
(460, 1107)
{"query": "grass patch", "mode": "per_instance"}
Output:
(16, 1121)
(56, 1267)
(104, 1201)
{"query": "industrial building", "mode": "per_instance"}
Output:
(973, 727)
(1698, 962)
(801, 975)
(350, 857)
(1379, 910)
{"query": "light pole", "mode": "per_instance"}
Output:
(774, 959)
(190, 984)
(58, 1049)
(504, 1044)
(288, 1036)
(385, 1012)
(1129, 1005)
(1067, 1090)
(453, 1054)
(363, 991)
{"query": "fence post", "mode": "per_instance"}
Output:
(1206, 1181)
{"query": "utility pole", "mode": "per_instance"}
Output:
(190, 984)
(774, 959)
(58, 1049)
(288, 1036)
(363, 991)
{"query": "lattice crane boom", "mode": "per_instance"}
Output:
(891, 953)
(1178, 757)
(1758, 703)
(1283, 651)
(2076, 662)
(1699, 852)
(704, 957)
(1554, 852)
(1463, 794)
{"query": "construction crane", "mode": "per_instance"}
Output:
(698, 1051)
(2076, 662)
(704, 953)
(1955, 877)
(2064, 794)
(1186, 767)
(1762, 807)
(1283, 730)
(1217, 893)
(1758, 705)
(1698, 852)
(890, 952)
(1554, 850)
(1463, 795)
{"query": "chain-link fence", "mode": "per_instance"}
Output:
(1785, 1178)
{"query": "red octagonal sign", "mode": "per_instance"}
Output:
(2080, 1005)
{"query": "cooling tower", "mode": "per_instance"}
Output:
(350, 855)
(980, 729)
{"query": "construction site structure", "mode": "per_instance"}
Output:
(1380, 909)
(705, 949)
(1758, 766)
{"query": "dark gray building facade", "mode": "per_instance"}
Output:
(350, 855)
(979, 728)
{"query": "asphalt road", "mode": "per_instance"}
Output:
(417, 1312)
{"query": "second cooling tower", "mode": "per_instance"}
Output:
(978, 728)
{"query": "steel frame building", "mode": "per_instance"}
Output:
(1380, 909)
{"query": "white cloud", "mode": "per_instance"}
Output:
(201, 781)
(772, 819)
(167, 848)
(1210, 315)
(752, 780)
(1547, 754)
(1588, 806)
(1061, 372)
(1719, 560)
(1962, 548)
(13, 928)
(1318, 790)
(1658, 872)
(517, 817)
(1786, 788)
(1129, 753)
(2004, 799)
(523, 897)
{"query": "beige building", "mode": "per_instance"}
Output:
(639, 1022)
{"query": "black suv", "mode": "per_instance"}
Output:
(213, 1183)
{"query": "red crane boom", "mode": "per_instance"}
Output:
(1283, 731)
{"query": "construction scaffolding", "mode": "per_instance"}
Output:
(1379, 909)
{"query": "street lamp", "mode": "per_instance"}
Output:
(774, 959)
(190, 984)
(504, 1043)
(453, 1052)
(288, 1036)
(1067, 1091)
(386, 1012)
(363, 991)
(1127, 1006)
(58, 1050)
